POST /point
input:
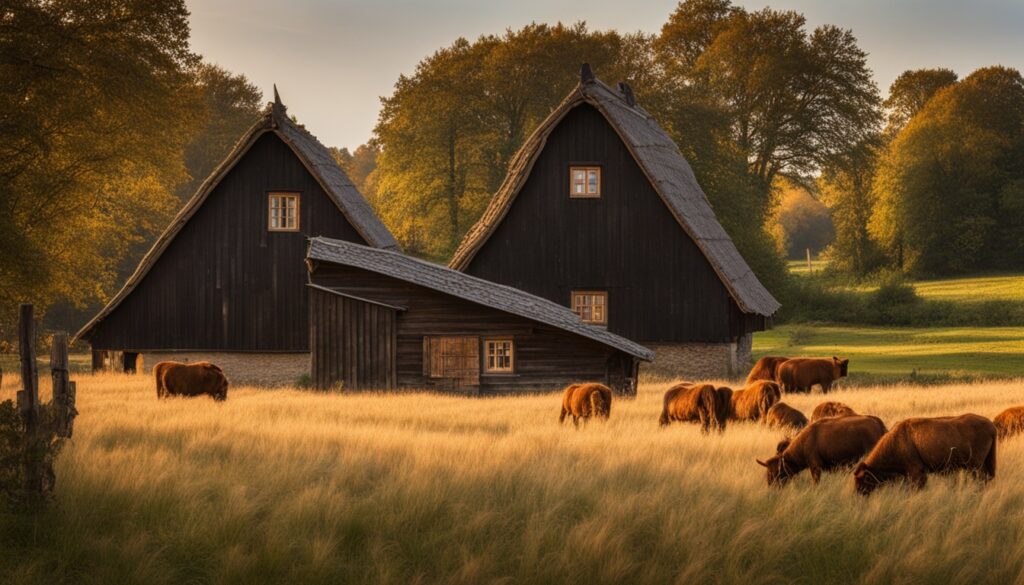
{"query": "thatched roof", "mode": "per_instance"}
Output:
(665, 168)
(314, 156)
(470, 288)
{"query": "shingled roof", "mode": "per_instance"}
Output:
(314, 156)
(466, 287)
(665, 168)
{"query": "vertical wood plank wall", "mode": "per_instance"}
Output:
(660, 286)
(352, 342)
(226, 282)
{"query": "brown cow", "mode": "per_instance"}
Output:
(754, 401)
(765, 368)
(919, 446)
(585, 401)
(1009, 422)
(195, 379)
(784, 415)
(825, 445)
(831, 409)
(801, 374)
(695, 403)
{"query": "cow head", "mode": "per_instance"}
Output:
(864, 479)
(778, 473)
(840, 367)
(219, 389)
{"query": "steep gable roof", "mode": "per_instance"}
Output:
(667, 171)
(314, 156)
(466, 287)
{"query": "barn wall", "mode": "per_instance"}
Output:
(351, 341)
(225, 282)
(660, 286)
(547, 358)
(251, 369)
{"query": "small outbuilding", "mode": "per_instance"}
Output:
(380, 319)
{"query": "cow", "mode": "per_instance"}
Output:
(765, 368)
(919, 446)
(195, 379)
(825, 445)
(1009, 422)
(753, 401)
(831, 409)
(784, 415)
(701, 403)
(586, 401)
(801, 374)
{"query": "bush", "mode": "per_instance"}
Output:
(17, 450)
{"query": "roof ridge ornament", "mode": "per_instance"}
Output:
(627, 94)
(278, 109)
(586, 74)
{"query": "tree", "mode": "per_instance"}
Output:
(910, 92)
(947, 186)
(94, 115)
(800, 222)
(360, 166)
(794, 99)
(845, 187)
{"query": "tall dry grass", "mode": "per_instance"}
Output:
(286, 486)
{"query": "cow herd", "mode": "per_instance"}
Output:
(836, 437)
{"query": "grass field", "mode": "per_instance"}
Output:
(285, 486)
(888, 353)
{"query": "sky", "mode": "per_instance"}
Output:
(333, 60)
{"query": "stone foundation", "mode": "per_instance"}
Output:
(700, 361)
(253, 369)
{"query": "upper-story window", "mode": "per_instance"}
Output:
(591, 306)
(584, 182)
(283, 214)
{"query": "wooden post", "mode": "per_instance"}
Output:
(63, 387)
(28, 399)
(28, 403)
(808, 259)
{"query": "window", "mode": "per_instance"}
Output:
(283, 215)
(499, 356)
(584, 182)
(592, 307)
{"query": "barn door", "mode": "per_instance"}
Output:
(452, 362)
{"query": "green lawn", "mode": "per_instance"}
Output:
(1004, 287)
(880, 353)
(800, 266)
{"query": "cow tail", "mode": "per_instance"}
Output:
(161, 391)
(990, 461)
(663, 420)
(710, 407)
(561, 417)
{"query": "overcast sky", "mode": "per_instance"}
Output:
(332, 60)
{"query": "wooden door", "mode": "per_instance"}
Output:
(452, 362)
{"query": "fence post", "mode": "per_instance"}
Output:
(63, 387)
(28, 401)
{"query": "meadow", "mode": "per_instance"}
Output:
(293, 486)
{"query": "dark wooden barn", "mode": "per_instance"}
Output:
(601, 213)
(226, 280)
(380, 319)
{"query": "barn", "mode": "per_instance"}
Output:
(380, 319)
(226, 281)
(600, 213)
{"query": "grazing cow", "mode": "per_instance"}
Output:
(784, 415)
(919, 446)
(754, 401)
(831, 409)
(585, 401)
(1009, 422)
(695, 403)
(765, 368)
(196, 379)
(801, 374)
(825, 445)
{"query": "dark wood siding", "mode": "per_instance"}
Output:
(546, 358)
(660, 286)
(351, 341)
(225, 282)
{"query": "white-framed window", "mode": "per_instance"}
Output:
(591, 306)
(283, 212)
(584, 182)
(499, 356)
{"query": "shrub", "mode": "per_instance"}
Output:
(18, 451)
